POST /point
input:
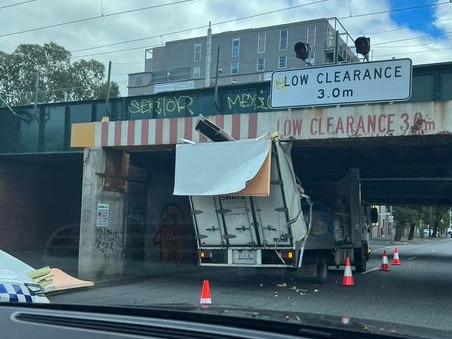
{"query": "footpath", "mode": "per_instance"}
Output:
(416, 240)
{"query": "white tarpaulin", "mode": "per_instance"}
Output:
(218, 168)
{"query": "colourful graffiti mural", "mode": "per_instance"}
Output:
(171, 235)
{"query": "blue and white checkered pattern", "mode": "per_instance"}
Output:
(15, 293)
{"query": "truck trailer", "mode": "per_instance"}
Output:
(250, 209)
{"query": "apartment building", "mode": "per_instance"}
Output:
(243, 56)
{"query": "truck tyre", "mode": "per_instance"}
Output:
(314, 269)
(360, 260)
(322, 271)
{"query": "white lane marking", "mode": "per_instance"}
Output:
(373, 269)
(382, 248)
(411, 258)
(433, 251)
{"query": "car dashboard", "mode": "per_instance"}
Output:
(44, 321)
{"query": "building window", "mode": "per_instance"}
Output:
(311, 35)
(234, 67)
(197, 52)
(261, 39)
(282, 63)
(196, 72)
(260, 65)
(236, 47)
(283, 39)
(311, 58)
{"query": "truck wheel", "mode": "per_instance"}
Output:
(322, 271)
(314, 270)
(361, 266)
(360, 261)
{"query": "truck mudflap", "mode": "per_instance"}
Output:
(245, 201)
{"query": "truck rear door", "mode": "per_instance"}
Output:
(223, 220)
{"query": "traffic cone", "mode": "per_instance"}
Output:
(206, 298)
(384, 264)
(396, 259)
(347, 280)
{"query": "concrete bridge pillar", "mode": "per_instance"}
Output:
(103, 213)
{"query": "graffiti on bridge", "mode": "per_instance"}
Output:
(163, 107)
(192, 105)
(240, 101)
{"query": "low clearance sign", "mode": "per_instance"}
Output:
(342, 84)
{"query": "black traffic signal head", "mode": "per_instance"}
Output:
(362, 45)
(301, 50)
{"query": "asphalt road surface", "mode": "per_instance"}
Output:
(417, 292)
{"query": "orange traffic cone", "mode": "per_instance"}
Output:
(206, 298)
(396, 259)
(347, 280)
(384, 264)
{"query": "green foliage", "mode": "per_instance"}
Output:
(425, 215)
(59, 80)
(406, 215)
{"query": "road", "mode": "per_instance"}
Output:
(415, 293)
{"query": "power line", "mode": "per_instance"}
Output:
(416, 52)
(17, 4)
(395, 10)
(116, 51)
(403, 28)
(414, 38)
(188, 29)
(239, 19)
(100, 16)
(197, 28)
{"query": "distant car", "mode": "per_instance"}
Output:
(427, 232)
(449, 232)
(62, 248)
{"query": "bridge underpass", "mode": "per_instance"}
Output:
(413, 170)
(399, 164)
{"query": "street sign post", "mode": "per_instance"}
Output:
(353, 83)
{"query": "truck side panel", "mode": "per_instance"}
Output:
(271, 213)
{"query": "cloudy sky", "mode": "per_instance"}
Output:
(120, 30)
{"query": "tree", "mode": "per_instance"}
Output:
(87, 80)
(434, 215)
(410, 215)
(58, 78)
(405, 216)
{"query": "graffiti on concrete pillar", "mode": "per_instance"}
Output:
(107, 241)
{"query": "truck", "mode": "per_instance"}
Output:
(250, 209)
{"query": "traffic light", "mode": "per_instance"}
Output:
(362, 45)
(301, 50)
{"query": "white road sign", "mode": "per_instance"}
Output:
(342, 84)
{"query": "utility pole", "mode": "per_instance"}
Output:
(208, 56)
(107, 96)
(450, 217)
